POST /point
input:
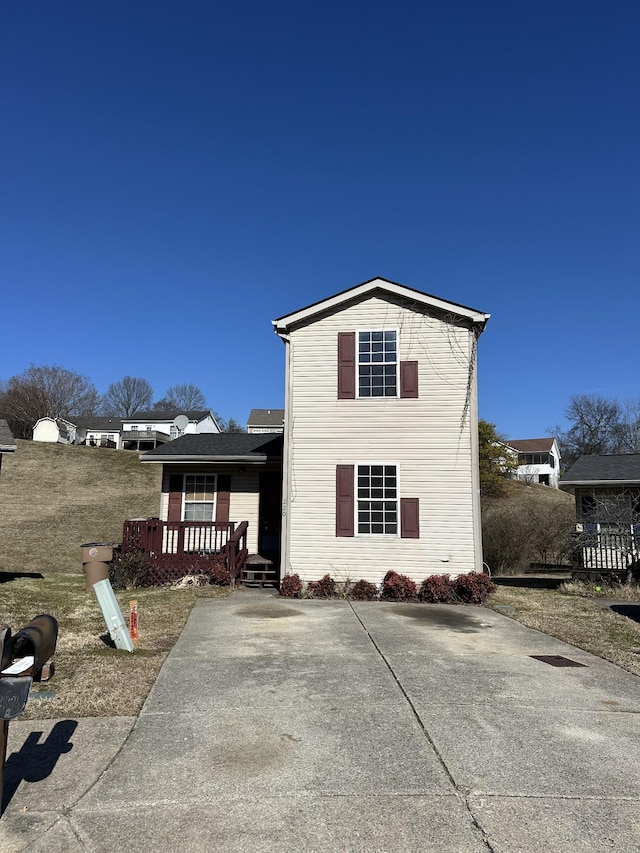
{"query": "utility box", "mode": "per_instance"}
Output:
(96, 559)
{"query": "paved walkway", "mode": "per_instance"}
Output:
(282, 725)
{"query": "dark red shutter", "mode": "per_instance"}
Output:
(410, 518)
(175, 497)
(409, 379)
(346, 365)
(344, 500)
(223, 498)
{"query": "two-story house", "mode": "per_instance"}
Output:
(538, 460)
(378, 465)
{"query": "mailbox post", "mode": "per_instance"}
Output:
(22, 658)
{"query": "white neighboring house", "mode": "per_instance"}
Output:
(265, 420)
(146, 430)
(538, 460)
(380, 467)
(101, 430)
(58, 431)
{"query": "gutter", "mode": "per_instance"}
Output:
(234, 460)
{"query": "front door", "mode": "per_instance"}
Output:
(270, 516)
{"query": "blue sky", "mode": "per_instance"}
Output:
(176, 175)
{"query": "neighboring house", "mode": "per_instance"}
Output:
(101, 431)
(607, 496)
(146, 430)
(538, 460)
(265, 420)
(378, 465)
(7, 441)
(381, 435)
(58, 431)
(211, 484)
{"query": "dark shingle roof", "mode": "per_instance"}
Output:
(614, 467)
(7, 441)
(102, 422)
(531, 445)
(266, 417)
(212, 446)
(167, 416)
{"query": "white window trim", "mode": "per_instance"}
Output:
(396, 396)
(358, 535)
(184, 494)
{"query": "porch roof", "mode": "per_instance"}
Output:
(7, 441)
(220, 447)
(613, 469)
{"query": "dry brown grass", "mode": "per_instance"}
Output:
(576, 620)
(53, 498)
(91, 678)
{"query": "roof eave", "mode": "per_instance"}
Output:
(190, 458)
(588, 483)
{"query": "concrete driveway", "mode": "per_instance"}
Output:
(282, 725)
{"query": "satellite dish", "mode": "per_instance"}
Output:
(181, 422)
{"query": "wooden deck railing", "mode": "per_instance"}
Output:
(177, 548)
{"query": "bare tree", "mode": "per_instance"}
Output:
(128, 396)
(628, 433)
(608, 533)
(186, 397)
(595, 427)
(45, 391)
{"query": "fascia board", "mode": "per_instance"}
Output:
(195, 460)
(282, 324)
(587, 483)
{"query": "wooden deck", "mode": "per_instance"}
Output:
(178, 548)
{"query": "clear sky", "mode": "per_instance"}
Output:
(175, 175)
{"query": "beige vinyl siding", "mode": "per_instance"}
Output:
(243, 503)
(425, 437)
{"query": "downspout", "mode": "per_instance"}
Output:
(475, 454)
(285, 542)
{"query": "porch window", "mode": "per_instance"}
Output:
(199, 497)
(377, 364)
(377, 487)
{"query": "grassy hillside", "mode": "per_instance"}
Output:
(529, 523)
(53, 498)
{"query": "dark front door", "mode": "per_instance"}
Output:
(270, 517)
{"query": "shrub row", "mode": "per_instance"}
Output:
(471, 588)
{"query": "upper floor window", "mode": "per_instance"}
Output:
(377, 364)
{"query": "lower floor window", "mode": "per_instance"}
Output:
(199, 497)
(377, 487)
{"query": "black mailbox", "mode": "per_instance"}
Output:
(22, 658)
(37, 640)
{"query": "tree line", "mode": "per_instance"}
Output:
(51, 391)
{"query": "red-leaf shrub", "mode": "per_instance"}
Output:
(437, 589)
(220, 574)
(397, 587)
(324, 588)
(474, 588)
(364, 591)
(291, 586)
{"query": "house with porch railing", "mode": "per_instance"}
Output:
(606, 488)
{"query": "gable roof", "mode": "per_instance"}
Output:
(102, 422)
(240, 447)
(7, 441)
(532, 445)
(266, 417)
(367, 288)
(604, 470)
(168, 415)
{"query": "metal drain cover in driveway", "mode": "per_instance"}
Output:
(557, 660)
